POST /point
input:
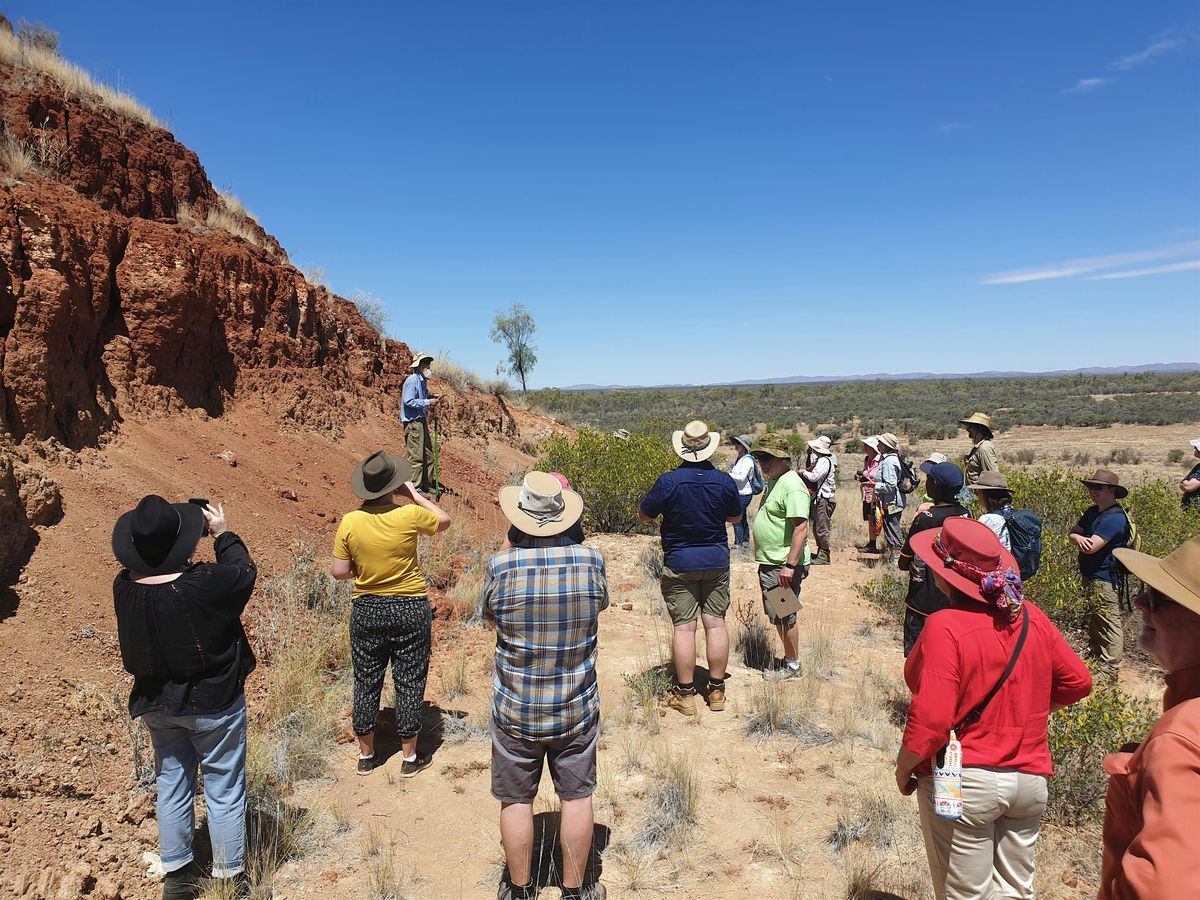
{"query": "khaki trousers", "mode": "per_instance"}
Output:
(1106, 636)
(420, 454)
(822, 513)
(989, 851)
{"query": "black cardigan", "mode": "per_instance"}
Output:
(183, 641)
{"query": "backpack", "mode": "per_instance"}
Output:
(756, 480)
(1133, 541)
(910, 477)
(1024, 538)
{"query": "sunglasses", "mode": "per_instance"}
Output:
(1155, 600)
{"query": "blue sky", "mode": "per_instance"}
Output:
(700, 192)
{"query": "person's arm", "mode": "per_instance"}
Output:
(651, 506)
(1070, 679)
(342, 569)
(795, 555)
(1106, 529)
(603, 583)
(231, 553)
(410, 492)
(1160, 861)
(411, 403)
(486, 606)
(1190, 485)
(988, 458)
(931, 715)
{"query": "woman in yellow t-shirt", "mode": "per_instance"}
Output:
(390, 617)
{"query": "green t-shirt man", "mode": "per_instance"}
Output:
(787, 498)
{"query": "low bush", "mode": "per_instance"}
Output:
(751, 639)
(1175, 456)
(886, 592)
(372, 310)
(612, 475)
(774, 709)
(1080, 736)
(672, 805)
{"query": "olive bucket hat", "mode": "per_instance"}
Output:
(380, 474)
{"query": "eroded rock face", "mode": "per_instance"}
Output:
(111, 308)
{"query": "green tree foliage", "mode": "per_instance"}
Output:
(612, 475)
(514, 330)
(1080, 736)
(917, 409)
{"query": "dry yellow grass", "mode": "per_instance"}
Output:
(73, 80)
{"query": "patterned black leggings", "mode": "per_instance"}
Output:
(383, 628)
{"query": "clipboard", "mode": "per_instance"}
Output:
(783, 602)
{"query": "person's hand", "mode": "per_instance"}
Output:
(408, 490)
(906, 782)
(786, 576)
(214, 518)
(433, 401)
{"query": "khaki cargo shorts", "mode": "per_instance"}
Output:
(688, 594)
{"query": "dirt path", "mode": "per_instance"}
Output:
(768, 811)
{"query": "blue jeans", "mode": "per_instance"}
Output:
(216, 744)
(741, 530)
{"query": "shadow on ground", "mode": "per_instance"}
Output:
(547, 852)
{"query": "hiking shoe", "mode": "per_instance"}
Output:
(183, 884)
(685, 704)
(869, 548)
(715, 698)
(782, 672)
(821, 559)
(366, 766)
(593, 891)
(409, 769)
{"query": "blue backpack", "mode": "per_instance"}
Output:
(1025, 539)
(756, 480)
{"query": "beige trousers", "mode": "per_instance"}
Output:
(989, 851)
(420, 454)
(1106, 635)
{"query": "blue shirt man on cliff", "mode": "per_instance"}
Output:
(415, 403)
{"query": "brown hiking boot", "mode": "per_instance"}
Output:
(821, 559)
(715, 698)
(685, 704)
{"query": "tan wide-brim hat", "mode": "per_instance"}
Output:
(1105, 478)
(872, 442)
(937, 457)
(1176, 575)
(419, 358)
(540, 506)
(889, 440)
(380, 474)
(695, 443)
(989, 481)
(980, 419)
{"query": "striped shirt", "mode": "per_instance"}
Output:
(545, 601)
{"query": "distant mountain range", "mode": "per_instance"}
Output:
(1160, 368)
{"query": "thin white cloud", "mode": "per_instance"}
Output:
(951, 127)
(1133, 60)
(1087, 85)
(1154, 270)
(1087, 265)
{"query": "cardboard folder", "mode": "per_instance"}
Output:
(783, 602)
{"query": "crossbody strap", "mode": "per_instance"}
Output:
(973, 716)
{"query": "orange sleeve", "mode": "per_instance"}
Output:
(1161, 861)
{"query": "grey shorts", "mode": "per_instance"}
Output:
(768, 579)
(517, 765)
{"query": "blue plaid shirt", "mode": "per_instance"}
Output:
(545, 600)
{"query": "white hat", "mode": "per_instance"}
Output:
(1195, 444)
(820, 445)
(419, 358)
(695, 443)
(540, 507)
(872, 442)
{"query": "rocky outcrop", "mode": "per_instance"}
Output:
(114, 307)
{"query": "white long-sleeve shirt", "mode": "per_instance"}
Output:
(741, 473)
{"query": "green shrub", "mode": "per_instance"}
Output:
(887, 593)
(1080, 736)
(1175, 456)
(854, 445)
(612, 475)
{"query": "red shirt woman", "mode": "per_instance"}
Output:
(959, 658)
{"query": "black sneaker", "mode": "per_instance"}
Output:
(409, 769)
(183, 884)
(366, 766)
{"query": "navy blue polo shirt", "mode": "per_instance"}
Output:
(694, 501)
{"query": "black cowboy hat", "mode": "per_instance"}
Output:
(157, 537)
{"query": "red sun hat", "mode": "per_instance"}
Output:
(966, 541)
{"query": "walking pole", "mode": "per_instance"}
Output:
(437, 486)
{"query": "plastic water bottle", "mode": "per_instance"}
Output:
(947, 782)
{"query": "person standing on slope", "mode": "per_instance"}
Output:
(415, 405)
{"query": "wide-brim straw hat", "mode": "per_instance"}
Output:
(166, 532)
(379, 474)
(989, 481)
(980, 419)
(889, 440)
(419, 358)
(967, 540)
(1176, 575)
(1105, 478)
(820, 445)
(540, 506)
(695, 443)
